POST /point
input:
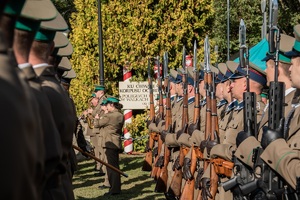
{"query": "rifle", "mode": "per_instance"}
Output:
(243, 180)
(214, 137)
(156, 169)
(175, 186)
(147, 165)
(271, 188)
(101, 161)
(161, 184)
(188, 190)
(208, 117)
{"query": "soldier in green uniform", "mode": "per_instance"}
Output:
(112, 124)
(95, 136)
(282, 154)
(246, 142)
(19, 134)
(50, 146)
(100, 139)
(62, 108)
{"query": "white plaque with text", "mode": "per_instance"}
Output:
(135, 95)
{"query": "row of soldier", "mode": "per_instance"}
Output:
(230, 149)
(40, 117)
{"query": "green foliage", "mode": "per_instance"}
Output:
(135, 30)
(250, 11)
(139, 130)
(132, 31)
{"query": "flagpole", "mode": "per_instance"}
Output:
(228, 32)
(100, 41)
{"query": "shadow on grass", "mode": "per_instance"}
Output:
(131, 163)
(137, 186)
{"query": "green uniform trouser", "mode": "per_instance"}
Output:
(94, 141)
(114, 178)
(103, 168)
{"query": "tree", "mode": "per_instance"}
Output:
(250, 11)
(132, 31)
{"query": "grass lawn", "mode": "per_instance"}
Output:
(137, 186)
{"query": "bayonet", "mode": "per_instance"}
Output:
(242, 34)
(183, 59)
(206, 55)
(217, 54)
(274, 30)
(149, 76)
(242, 40)
(274, 13)
(158, 75)
(196, 76)
(166, 64)
(166, 74)
(195, 56)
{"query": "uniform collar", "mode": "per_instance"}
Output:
(191, 100)
(179, 98)
(221, 103)
(29, 72)
(172, 98)
(239, 106)
(231, 106)
(203, 102)
(44, 69)
(287, 91)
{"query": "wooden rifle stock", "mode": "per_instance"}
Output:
(208, 121)
(188, 190)
(147, 164)
(208, 117)
(176, 183)
(156, 170)
(161, 184)
(214, 129)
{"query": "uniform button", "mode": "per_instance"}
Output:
(242, 156)
(295, 145)
(289, 145)
(269, 161)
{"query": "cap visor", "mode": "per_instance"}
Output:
(266, 58)
(236, 76)
(292, 53)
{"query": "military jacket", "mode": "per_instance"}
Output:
(223, 122)
(61, 105)
(221, 107)
(100, 112)
(16, 128)
(236, 125)
(111, 124)
(245, 151)
(51, 138)
(284, 156)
